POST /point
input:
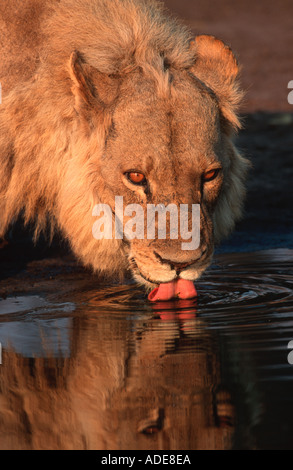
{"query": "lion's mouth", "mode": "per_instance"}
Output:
(178, 288)
(134, 267)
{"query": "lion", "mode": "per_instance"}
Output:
(106, 98)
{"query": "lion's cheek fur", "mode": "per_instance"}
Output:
(82, 188)
(229, 207)
(76, 221)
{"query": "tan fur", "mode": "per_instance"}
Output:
(113, 86)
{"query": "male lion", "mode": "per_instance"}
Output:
(105, 98)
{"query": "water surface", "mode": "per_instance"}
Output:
(98, 367)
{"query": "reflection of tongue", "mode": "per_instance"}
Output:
(180, 288)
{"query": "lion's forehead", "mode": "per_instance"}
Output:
(152, 131)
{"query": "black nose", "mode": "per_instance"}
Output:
(178, 267)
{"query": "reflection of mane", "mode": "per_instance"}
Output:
(116, 296)
(119, 390)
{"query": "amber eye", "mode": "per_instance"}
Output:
(210, 175)
(136, 177)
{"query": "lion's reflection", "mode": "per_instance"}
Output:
(133, 381)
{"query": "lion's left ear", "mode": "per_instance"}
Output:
(216, 66)
(93, 90)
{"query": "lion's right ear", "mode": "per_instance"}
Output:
(93, 90)
(217, 67)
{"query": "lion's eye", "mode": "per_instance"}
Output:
(136, 177)
(210, 175)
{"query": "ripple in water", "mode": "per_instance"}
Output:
(239, 283)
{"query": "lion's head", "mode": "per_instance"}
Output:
(139, 111)
(168, 141)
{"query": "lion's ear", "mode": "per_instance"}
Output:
(216, 66)
(93, 90)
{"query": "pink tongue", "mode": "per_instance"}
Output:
(180, 289)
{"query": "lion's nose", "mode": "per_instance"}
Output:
(177, 266)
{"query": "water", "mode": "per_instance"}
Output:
(101, 368)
